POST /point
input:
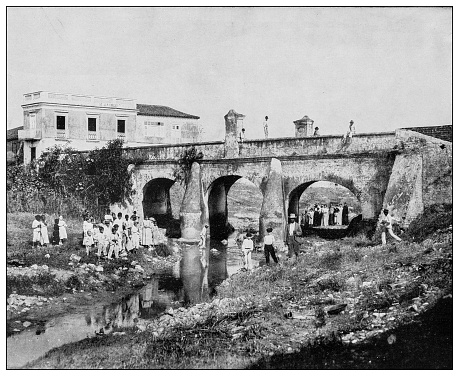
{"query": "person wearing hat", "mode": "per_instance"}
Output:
(268, 242)
(247, 248)
(293, 231)
(351, 128)
(385, 222)
(265, 126)
(242, 135)
(316, 131)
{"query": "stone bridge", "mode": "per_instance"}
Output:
(404, 170)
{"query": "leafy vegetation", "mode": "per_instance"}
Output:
(69, 182)
(183, 169)
(435, 217)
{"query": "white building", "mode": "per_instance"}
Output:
(86, 122)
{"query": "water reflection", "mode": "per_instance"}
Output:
(192, 280)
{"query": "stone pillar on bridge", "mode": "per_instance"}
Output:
(190, 211)
(232, 134)
(272, 210)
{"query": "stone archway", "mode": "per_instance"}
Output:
(217, 199)
(157, 201)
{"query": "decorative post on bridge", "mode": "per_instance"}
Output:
(272, 210)
(304, 127)
(190, 211)
(232, 134)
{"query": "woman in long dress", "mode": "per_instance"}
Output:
(36, 226)
(62, 229)
(155, 231)
(147, 235)
(135, 236)
(44, 240)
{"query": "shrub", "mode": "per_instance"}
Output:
(333, 283)
(163, 250)
(434, 217)
(331, 260)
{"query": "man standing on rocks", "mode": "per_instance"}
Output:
(385, 222)
(293, 231)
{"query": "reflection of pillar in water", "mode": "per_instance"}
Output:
(218, 271)
(176, 270)
(192, 274)
(149, 292)
(205, 268)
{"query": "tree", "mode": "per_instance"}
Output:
(183, 169)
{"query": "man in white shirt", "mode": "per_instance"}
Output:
(293, 230)
(385, 222)
(268, 243)
(247, 248)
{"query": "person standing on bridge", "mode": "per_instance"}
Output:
(242, 135)
(265, 126)
(351, 128)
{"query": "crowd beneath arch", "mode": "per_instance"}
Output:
(323, 215)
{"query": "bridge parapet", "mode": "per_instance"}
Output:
(318, 145)
(275, 147)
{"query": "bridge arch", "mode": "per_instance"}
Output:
(216, 198)
(293, 199)
(156, 200)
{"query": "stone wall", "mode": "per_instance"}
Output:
(421, 175)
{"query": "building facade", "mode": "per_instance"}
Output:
(85, 122)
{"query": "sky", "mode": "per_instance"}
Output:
(384, 68)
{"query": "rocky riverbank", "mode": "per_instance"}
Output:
(350, 292)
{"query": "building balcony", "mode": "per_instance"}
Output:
(61, 134)
(93, 136)
(29, 134)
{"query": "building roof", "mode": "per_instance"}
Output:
(154, 110)
(12, 134)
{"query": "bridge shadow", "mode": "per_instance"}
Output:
(425, 343)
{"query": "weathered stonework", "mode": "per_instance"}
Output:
(190, 212)
(272, 210)
(404, 169)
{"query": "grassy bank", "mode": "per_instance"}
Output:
(359, 301)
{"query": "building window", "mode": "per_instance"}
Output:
(60, 122)
(32, 121)
(92, 124)
(61, 125)
(121, 126)
(33, 153)
(92, 128)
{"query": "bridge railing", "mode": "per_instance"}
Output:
(318, 145)
(274, 147)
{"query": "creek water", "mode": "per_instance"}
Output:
(193, 280)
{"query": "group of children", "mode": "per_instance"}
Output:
(40, 231)
(116, 236)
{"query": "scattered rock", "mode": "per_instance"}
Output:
(26, 324)
(337, 308)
